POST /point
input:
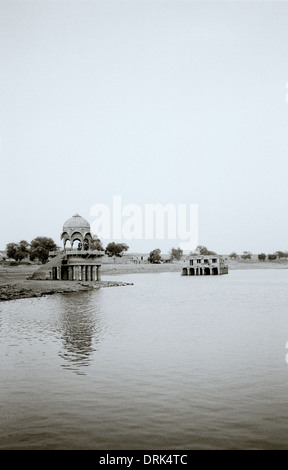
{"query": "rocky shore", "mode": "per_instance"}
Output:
(15, 285)
(44, 288)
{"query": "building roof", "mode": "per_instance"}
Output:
(76, 222)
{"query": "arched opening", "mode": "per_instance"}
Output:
(184, 272)
(214, 271)
(64, 236)
(191, 272)
(87, 241)
(77, 244)
(76, 241)
(207, 271)
(67, 245)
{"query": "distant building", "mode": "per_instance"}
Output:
(205, 265)
(135, 258)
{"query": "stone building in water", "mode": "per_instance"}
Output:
(78, 261)
(205, 265)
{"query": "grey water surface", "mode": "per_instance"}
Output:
(169, 363)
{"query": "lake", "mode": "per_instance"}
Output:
(171, 362)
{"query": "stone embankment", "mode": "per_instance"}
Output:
(30, 289)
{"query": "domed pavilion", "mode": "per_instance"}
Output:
(78, 261)
(76, 230)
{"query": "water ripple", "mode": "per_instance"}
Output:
(171, 363)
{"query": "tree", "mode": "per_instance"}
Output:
(116, 249)
(11, 250)
(18, 251)
(176, 253)
(154, 256)
(202, 250)
(23, 250)
(272, 257)
(246, 255)
(40, 248)
(233, 255)
(262, 257)
(282, 254)
(96, 243)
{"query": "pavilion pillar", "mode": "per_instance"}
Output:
(98, 268)
(70, 273)
(77, 273)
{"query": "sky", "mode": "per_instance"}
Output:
(156, 102)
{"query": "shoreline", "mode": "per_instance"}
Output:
(33, 289)
(14, 282)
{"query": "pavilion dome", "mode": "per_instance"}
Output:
(76, 223)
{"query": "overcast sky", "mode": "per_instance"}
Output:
(154, 101)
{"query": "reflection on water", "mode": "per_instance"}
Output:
(80, 329)
(73, 322)
(169, 363)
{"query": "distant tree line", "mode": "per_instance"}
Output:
(246, 255)
(176, 254)
(156, 258)
(38, 249)
(273, 256)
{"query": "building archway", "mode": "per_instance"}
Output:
(76, 238)
(67, 245)
(77, 244)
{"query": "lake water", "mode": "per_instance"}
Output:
(169, 363)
